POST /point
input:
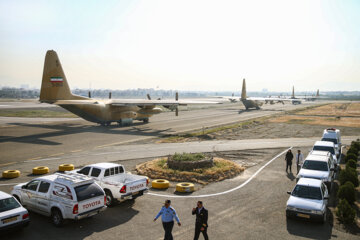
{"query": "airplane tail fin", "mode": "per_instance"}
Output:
(54, 85)
(318, 93)
(243, 90)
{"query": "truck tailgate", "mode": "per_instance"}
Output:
(91, 204)
(136, 185)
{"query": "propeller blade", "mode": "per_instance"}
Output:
(148, 96)
(177, 111)
(177, 96)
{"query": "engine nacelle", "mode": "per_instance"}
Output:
(152, 111)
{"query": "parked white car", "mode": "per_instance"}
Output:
(12, 214)
(318, 167)
(308, 200)
(327, 154)
(62, 196)
(333, 135)
(327, 147)
(117, 184)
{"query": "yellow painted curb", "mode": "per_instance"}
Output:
(11, 174)
(40, 170)
(66, 167)
(185, 187)
(160, 183)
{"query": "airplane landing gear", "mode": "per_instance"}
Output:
(146, 120)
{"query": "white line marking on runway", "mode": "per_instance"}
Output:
(9, 184)
(225, 192)
(44, 159)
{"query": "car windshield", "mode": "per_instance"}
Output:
(334, 140)
(324, 148)
(315, 165)
(307, 192)
(8, 204)
(88, 191)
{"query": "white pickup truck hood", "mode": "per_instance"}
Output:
(304, 203)
(307, 173)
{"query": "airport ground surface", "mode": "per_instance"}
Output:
(35, 138)
(255, 211)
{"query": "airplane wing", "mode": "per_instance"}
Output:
(272, 99)
(132, 102)
(137, 102)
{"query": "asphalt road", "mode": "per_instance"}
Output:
(255, 211)
(24, 139)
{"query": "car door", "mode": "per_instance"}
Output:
(325, 193)
(29, 193)
(42, 197)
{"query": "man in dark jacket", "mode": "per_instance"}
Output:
(201, 220)
(288, 158)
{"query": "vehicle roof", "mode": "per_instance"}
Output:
(324, 143)
(331, 130)
(313, 157)
(309, 182)
(69, 178)
(320, 153)
(104, 165)
(4, 195)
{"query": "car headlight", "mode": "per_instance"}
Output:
(290, 208)
(318, 212)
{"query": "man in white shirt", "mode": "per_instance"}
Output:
(299, 160)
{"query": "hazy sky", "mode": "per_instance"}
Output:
(184, 45)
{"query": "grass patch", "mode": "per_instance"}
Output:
(222, 169)
(188, 157)
(36, 114)
(204, 133)
(319, 120)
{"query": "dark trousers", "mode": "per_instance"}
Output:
(298, 167)
(197, 232)
(288, 165)
(168, 226)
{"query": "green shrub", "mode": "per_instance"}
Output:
(353, 150)
(345, 212)
(350, 156)
(349, 174)
(356, 145)
(188, 156)
(347, 191)
(351, 163)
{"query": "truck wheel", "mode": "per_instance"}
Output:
(109, 198)
(57, 217)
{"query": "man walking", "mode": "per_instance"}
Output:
(288, 158)
(299, 160)
(201, 220)
(168, 214)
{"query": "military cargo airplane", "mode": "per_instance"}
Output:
(257, 102)
(55, 90)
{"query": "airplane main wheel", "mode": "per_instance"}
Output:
(146, 120)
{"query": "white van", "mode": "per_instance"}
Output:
(333, 135)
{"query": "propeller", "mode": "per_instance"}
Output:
(176, 99)
(148, 96)
(109, 95)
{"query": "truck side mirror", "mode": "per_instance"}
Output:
(326, 197)
(332, 169)
(288, 192)
(23, 187)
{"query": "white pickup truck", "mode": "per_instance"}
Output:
(117, 184)
(62, 196)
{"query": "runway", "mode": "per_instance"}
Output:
(24, 139)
